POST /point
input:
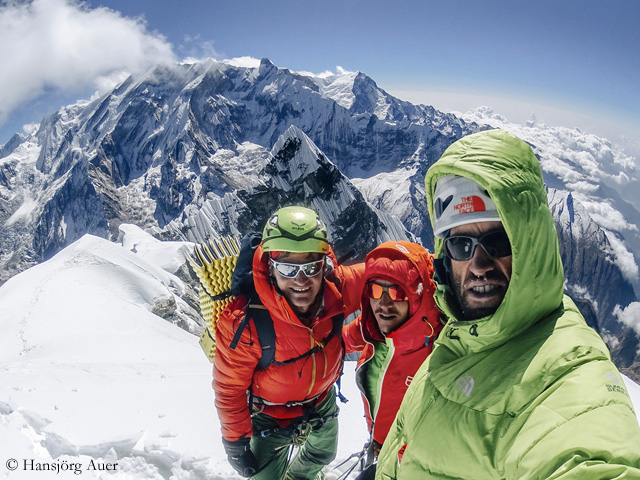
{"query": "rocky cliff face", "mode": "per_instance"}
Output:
(593, 280)
(297, 173)
(194, 149)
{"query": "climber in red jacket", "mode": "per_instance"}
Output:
(395, 332)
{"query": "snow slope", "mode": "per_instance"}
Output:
(87, 371)
(91, 378)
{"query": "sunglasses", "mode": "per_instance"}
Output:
(396, 293)
(291, 270)
(462, 247)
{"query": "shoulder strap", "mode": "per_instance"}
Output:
(264, 327)
(267, 335)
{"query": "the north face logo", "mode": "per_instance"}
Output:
(469, 204)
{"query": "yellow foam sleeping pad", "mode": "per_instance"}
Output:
(214, 262)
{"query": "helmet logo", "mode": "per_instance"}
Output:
(441, 205)
(291, 229)
(297, 226)
(469, 204)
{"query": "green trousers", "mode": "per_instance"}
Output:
(318, 449)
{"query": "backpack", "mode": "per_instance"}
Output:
(213, 263)
(224, 269)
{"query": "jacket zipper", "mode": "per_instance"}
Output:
(313, 364)
(313, 357)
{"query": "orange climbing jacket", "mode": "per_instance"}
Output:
(282, 390)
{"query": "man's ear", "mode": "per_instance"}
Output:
(441, 269)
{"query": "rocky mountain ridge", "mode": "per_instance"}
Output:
(209, 148)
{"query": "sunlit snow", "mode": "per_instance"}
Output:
(88, 372)
(91, 379)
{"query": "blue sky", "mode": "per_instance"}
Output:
(572, 63)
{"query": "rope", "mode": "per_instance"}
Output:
(359, 456)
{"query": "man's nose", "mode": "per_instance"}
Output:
(300, 277)
(480, 260)
(386, 299)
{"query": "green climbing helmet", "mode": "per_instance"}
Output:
(295, 229)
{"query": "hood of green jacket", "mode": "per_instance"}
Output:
(509, 170)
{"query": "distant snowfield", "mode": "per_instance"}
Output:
(91, 378)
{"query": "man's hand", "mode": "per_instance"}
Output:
(376, 448)
(241, 457)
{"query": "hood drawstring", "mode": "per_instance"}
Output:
(428, 331)
(451, 333)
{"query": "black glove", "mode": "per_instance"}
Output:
(241, 457)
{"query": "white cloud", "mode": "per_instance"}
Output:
(624, 258)
(197, 49)
(108, 82)
(604, 214)
(583, 187)
(30, 128)
(327, 74)
(245, 62)
(65, 45)
(611, 340)
(630, 315)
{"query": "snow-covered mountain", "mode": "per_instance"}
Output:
(192, 150)
(159, 145)
(297, 172)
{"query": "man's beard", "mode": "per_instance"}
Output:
(469, 312)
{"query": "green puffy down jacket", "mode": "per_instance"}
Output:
(528, 392)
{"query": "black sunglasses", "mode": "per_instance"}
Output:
(461, 247)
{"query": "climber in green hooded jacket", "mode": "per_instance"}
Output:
(517, 386)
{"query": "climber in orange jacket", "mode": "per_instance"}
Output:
(292, 401)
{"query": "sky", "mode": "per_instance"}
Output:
(93, 378)
(572, 63)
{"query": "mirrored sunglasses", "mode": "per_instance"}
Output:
(462, 247)
(291, 270)
(396, 293)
